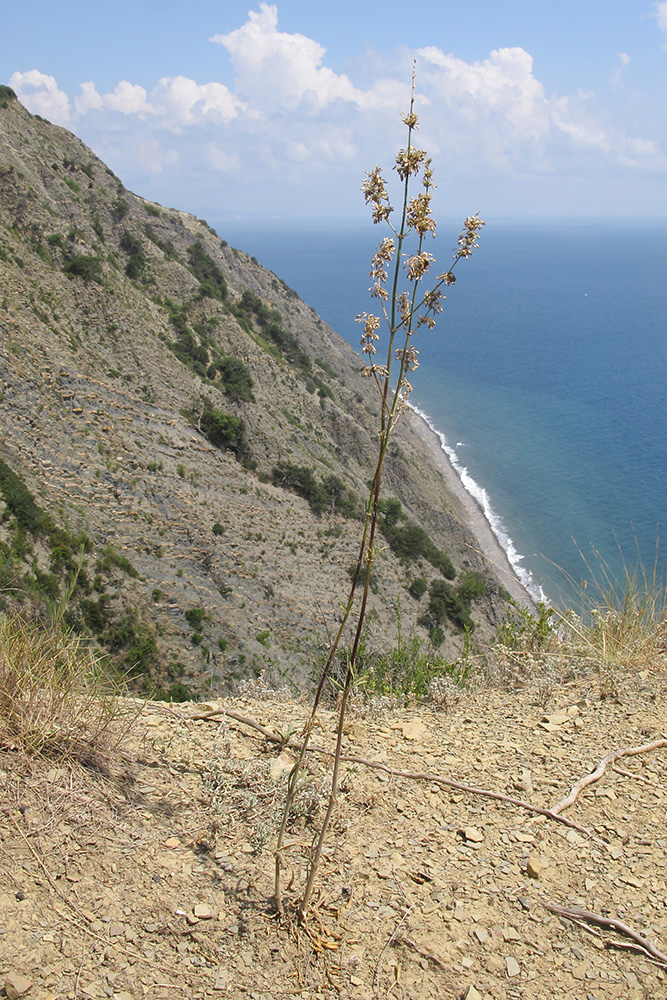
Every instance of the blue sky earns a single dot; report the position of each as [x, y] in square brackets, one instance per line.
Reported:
[233, 109]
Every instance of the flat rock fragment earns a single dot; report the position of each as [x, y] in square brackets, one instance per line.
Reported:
[512, 967]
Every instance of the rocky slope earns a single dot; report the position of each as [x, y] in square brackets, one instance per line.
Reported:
[153, 380]
[158, 883]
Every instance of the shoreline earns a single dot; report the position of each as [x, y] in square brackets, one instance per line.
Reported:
[475, 518]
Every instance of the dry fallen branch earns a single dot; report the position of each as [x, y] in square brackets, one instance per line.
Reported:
[595, 775]
[576, 914]
[398, 773]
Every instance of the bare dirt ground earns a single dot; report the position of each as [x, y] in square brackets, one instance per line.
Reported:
[156, 881]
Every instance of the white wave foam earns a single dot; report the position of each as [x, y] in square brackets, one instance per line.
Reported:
[481, 498]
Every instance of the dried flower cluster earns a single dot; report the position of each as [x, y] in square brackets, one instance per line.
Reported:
[406, 311]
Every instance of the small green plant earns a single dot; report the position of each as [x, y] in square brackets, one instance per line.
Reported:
[405, 311]
[110, 559]
[218, 529]
[195, 616]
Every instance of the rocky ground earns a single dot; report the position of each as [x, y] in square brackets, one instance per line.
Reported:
[155, 880]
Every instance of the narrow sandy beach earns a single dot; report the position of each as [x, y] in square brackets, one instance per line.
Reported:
[472, 514]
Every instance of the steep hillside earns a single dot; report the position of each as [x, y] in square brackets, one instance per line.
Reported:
[185, 444]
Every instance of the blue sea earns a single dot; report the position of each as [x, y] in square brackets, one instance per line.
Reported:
[546, 376]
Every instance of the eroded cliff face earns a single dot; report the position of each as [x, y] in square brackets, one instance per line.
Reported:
[153, 379]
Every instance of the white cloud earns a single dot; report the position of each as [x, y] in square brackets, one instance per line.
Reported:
[660, 14]
[185, 102]
[222, 159]
[278, 70]
[496, 111]
[643, 155]
[41, 95]
[129, 99]
[88, 99]
[617, 75]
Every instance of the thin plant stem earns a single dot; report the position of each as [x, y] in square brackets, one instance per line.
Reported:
[406, 313]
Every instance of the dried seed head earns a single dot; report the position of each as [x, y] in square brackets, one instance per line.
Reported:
[375, 193]
[408, 162]
[419, 215]
[468, 238]
[417, 266]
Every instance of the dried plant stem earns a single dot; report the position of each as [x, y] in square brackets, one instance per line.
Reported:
[404, 313]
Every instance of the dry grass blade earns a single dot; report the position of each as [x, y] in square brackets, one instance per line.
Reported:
[56, 698]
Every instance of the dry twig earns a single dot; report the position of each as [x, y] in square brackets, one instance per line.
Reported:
[576, 914]
[595, 775]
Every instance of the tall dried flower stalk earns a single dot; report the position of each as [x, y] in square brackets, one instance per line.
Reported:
[403, 311]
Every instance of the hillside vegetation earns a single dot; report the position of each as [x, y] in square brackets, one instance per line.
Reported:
[185, 443]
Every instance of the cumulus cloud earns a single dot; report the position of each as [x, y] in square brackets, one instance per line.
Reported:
[88, 99]
[496, 110]
[185, 102]
[129, 99]
[41, 95]
[275, 69]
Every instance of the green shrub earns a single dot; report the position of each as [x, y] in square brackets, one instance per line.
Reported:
[110, 559]
[195, 616]
[119, 209]
[21, 502]
[471, 585]
[269, 322]
[409, 541]
[137, 258]
[218, 529]
[6, 94]
[330, 494]
[405, 672]
[211, 280]
[136, 641]
[84, 266]
[418, 587]
[446, 602]
[224, 430]
[234, 379]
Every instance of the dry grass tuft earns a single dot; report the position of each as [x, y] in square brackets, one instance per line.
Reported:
[619, 628]
[56, 698]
